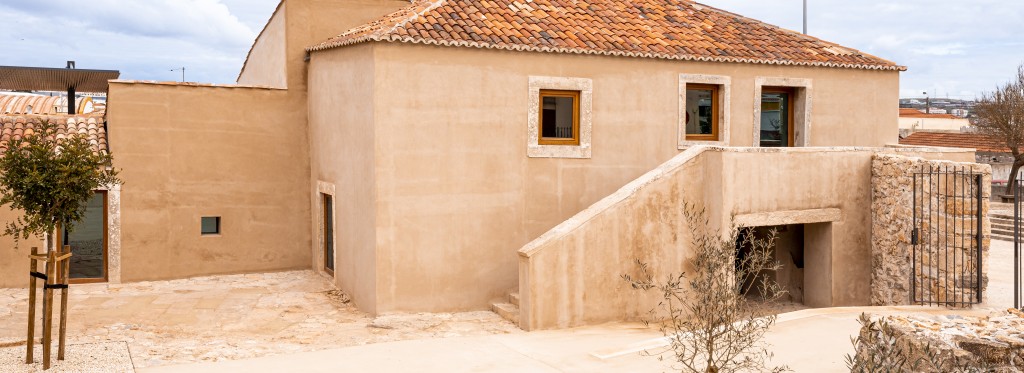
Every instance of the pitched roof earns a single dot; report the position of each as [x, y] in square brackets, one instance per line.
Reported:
[914, 113]
[666, 29]
[90, 126]
[956, 140]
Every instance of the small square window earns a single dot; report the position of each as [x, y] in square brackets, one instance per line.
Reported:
[210, 225]
[701, 112]
[559, 118]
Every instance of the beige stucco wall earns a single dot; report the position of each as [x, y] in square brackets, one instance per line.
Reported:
[456, 194]
[265, 64]
[189, 151]
[341, 118]
[14, 260]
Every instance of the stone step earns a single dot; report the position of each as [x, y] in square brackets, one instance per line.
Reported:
[1004, 232]
[513, 298]
[507, 311]
[1003, 227]
[1000, 217]
[999, 237]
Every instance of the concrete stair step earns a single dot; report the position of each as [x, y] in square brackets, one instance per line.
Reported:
[513, 298]
[507, 311]
[1002, 238]
[1004, 232]
[1003, 227]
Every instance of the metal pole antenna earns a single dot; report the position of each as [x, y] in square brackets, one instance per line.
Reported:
[805, 17]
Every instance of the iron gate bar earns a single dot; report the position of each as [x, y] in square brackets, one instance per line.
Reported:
[955, 194]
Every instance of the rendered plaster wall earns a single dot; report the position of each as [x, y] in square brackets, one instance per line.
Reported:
[570, 275]
[951, 221]
[265, 64]
[14, 258]
[311, 22]
[188, 151]
[458, 195]
[341, 127]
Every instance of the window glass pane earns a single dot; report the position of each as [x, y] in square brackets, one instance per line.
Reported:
[211, 225]
[86, 241]
[774, 119]
[557, 117]
[699, 105]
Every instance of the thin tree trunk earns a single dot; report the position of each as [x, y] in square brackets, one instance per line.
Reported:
[1012, 179]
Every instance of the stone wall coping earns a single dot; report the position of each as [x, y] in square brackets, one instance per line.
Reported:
[193, 84]
[763, 219]
[666, 169]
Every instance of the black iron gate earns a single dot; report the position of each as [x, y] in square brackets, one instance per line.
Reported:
[1018, 199]
[947, 236]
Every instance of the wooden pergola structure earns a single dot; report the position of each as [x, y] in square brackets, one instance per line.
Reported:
[69, 79]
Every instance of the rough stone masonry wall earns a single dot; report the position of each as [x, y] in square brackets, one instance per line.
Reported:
[942, 270]
[951, 343]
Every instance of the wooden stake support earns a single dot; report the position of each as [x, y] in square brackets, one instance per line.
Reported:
[57, 270]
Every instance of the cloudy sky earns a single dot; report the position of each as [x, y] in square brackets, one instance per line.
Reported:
[953, 48]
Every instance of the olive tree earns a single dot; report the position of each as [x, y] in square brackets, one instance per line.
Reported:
[49, 179]
[715, 317]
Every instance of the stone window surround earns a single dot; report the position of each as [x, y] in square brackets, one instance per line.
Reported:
[803, 104]
[322, 188]
[113, 233]
[724, 92]
[586, 89]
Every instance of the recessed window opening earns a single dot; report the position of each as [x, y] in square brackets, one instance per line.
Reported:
[210, 225]
[328, 232]
[777, 117]
[702, 112]
[559, 117]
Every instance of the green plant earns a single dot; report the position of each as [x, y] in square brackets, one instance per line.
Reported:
[50, 180]
[714, 318]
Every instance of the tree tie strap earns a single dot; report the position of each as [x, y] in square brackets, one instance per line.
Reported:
[55, 286]
[38, 275]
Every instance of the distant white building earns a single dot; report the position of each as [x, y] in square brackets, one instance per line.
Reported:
[916, 120]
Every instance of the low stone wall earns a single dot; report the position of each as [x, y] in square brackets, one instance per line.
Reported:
[947, 343]
[948, 230]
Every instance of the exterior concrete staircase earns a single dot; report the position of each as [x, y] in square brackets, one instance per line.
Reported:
[1002, 226]
[508, 307]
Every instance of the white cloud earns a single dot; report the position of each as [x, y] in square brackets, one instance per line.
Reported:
[940, 50]
[143, 39]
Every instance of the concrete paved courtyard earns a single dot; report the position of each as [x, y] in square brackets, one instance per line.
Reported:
[281, 321]
[234, 317]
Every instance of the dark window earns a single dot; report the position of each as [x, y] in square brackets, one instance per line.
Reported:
[776, 117]
[328, 239]
[559, 118]
[701, 112]
[210, 225]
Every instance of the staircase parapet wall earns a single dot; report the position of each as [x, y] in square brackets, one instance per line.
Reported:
[570, 275]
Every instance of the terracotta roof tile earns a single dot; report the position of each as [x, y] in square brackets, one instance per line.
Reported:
[90, 126]
[914, 113]
[956, 140]
[667, 29]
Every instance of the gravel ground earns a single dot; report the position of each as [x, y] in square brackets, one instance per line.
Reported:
[89, 357]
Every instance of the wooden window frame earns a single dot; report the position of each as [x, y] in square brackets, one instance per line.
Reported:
[791, 102]
[715, 105]
[328, 230]
[106, 248]
[575, 140]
